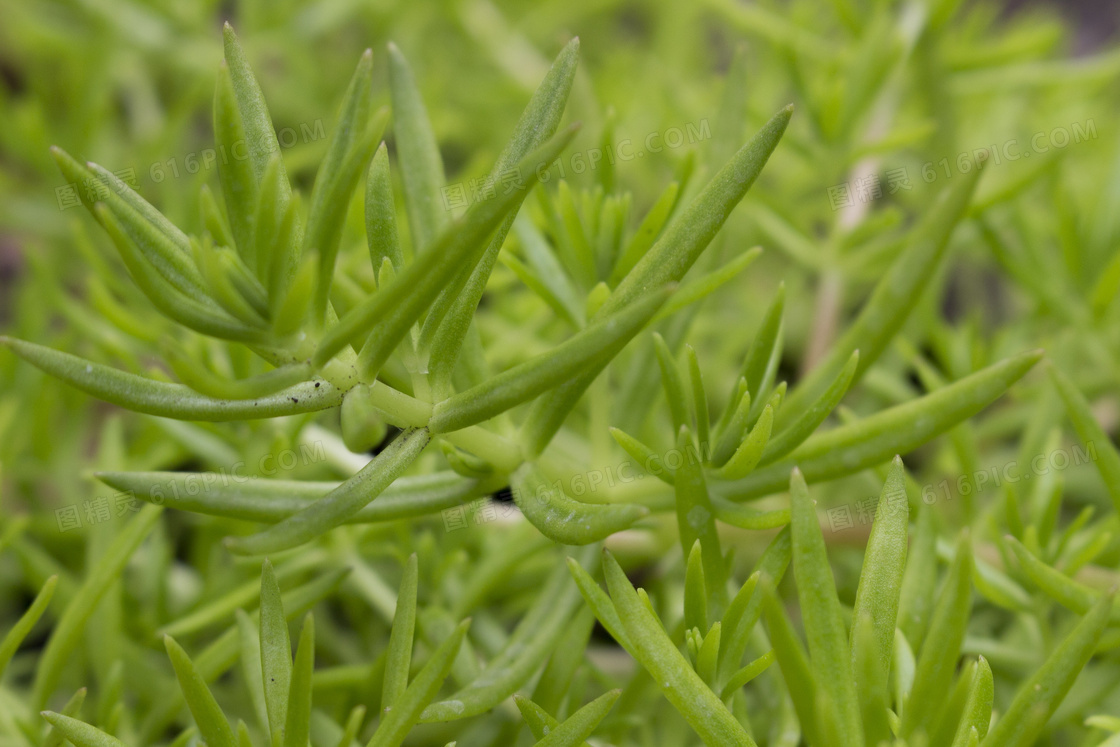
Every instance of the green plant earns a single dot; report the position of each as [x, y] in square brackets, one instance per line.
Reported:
[518, 336]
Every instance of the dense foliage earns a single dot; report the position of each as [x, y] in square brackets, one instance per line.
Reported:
[686, 415]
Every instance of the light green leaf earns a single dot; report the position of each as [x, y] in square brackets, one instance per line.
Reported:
[79, 732]
[666, 262]
[171, 400]
[527, 380]
[271, 501]
[747, 673]
[747, 456]
[396, 724]
[694, 700]
[399, 656]
[1067, 592]
[647, 232]
[672, 382]
[880, 581]
[212, 723]
[695, 591]
[792, 436]
[581, 724]
[342, 503]
[381, 214]
[937, 661]
[978, 708]
[1041, 694]
[563, 519]
[418, 154]
[897, 430]
[348, 156]
[297, 724]
[1090, 432]
[446, 329]
[526, 649]
[14, 637]
[793, 661]
[394, 308]
[276, 653]
[67, 633]
[821, 616]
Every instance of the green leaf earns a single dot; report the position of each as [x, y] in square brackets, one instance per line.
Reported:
[342, 503]
[666, 262]
[212, 723]
[1061, 588]
[14, 637]
[694, 700]
[1090, 432]
[897, 430]
[600, 604]
[699, 400]
[396, 724]
[203, 316]
[695, 290]
[79, 732]
[236, 174]
[537, 375]
[761, 363]
[260, 137]
[647, 232]
[276, 653]
[820, 608]
[645, 457]
[978, 708]
[399, 656]
[1040, 695]
[937, 661]
[381, 214]
[68, 630]
[446, 328]
[747, 673]
[250, 656]
[270, 501]
[793, 661]
[732, 426]
[563, 519]
[695, 591]
[896, 294]
[171, 400]
[581, 724]
[526, 649]
[72, 708]
[393, 309]
[672, 381]
[884, 562]
[696, 519]
[789, 438]
[418, 154]
[158, 245]
[272, 230]
[348, 155]
[870, 674]
[747, 456]
[297, 725]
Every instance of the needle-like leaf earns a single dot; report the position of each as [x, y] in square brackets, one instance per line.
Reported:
[342, 502]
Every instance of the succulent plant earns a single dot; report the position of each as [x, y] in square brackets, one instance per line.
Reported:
[330, 386]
